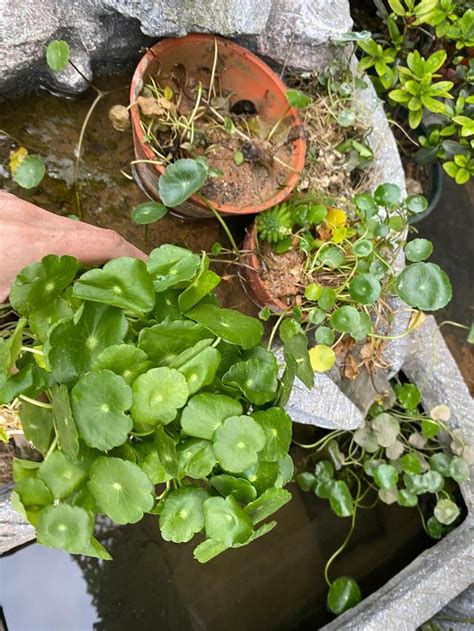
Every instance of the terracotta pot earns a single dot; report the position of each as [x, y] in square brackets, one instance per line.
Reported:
[246, 77]
[251, 278]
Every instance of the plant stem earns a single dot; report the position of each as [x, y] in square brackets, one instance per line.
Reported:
[274, 330]
[52, 447]
[225, 227]
[100, 94]
[40, 404]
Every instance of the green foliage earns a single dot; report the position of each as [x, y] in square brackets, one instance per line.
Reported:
[57, 54]
[148, 212]
[380, 462]
[29, 172]
[408, 62]
[143, 380]
[348, 272]
[180, 180]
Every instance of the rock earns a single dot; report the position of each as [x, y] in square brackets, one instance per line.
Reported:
[108, 34]
[14, 530]
[299, 32]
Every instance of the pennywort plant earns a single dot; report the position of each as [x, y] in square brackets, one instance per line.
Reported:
[400, 456]
[347, 266]
[143, 396]
[421, 63]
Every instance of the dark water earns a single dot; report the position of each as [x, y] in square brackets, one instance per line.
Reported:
[276, 584]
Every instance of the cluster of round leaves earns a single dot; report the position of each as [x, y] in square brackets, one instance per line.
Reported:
[400, 456]
[354, 250]
[137, 378]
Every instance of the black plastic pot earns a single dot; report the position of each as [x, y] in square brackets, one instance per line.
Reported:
[433, 194]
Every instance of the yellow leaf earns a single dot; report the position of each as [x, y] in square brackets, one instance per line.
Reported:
[338, 235]
[16, 158]
[336, 218]
[168, 93]
[322, 358]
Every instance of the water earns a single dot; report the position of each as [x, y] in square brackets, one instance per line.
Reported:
[276, 584]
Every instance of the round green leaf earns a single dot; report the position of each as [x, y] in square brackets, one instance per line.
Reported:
[324, 335]
[446, 512]
[434, 528]
[407, 499]
[411, 464]
[60, 475]
[166, 449]
[362, 330]
[200, 370]
[416, 204]
[29, 172]
[344, 593]
[57, 54]
[327, 299]
[386, 428]
[148, 212]
[72, 346]
[365, 289]
[345, 319]
[170, 265]
[99, 401]
[33, 492]
[367, 439]
[267, 504]
[173, 342]
[277, 426]
[263, 475]
[205, 412]
[366, 204]
[297, 98]
[385, 476]
[158, 395]
[409, 396]
[237, 443]
[122, 490]
[258, 380]
[180, 180]
[225, 521]
[418, 250]
[346, 118]
[66, 431]
[124, 360]
[39, 284]
[123, 283]
[305, 480]
[324, 470]
[37, 424]
[424, 286]
[331, 256]
[340, 499]
[63, 526]
[363, 248]
[459, 470]
[182, 515]
[233, 327]
[240, 488]
[196, 458]
[387, 195]
[441, 462]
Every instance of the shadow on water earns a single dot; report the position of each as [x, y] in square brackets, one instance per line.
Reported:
[276, 584]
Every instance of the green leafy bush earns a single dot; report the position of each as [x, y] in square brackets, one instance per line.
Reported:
[420, 61]
[349, 252]
[144, 396]
[400, 456]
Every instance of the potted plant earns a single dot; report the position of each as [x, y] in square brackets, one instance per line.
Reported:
[143, 396]
[330, 267]
[205, 99]
[420, 61]
[402, 455]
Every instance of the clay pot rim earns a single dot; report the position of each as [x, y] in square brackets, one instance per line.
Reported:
[299, 143]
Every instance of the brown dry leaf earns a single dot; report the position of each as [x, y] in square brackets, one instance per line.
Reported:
[151, 106]
[324, 232]
[119, 117]
[417, 319]
[351, 369]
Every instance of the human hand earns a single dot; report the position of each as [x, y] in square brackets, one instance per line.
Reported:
[27, 233]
